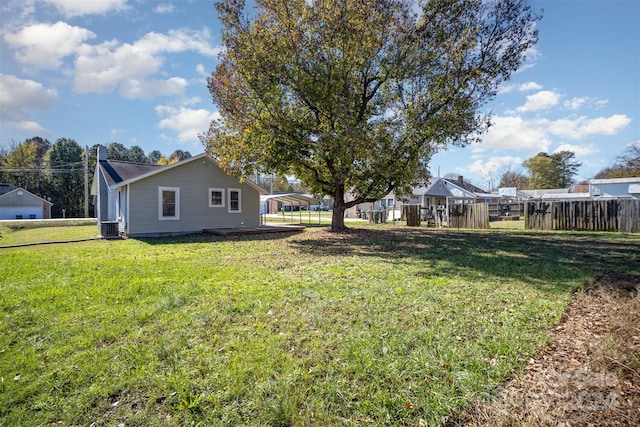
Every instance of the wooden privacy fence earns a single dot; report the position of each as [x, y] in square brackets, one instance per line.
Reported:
[469, 215]
[587, 215]
[459, 216]
[412, 215]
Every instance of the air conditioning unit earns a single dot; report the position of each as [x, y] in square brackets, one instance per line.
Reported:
[109, 229]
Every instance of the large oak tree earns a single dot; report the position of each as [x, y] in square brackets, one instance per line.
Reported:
[354, 96]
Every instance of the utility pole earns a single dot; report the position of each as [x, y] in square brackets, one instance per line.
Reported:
[86, 181]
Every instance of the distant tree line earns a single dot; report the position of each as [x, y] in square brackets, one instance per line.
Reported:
[55, 171]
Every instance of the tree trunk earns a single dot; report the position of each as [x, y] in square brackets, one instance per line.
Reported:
[337, 219]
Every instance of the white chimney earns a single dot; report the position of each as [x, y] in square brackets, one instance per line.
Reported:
[102, 153]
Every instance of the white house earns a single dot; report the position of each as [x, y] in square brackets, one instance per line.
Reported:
[18, 203]
[615, 188]
[187, 197]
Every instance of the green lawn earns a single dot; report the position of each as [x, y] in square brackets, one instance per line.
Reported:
[386, 326]
[26, 232]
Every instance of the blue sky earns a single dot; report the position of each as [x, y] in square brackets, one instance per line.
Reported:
[134, 72]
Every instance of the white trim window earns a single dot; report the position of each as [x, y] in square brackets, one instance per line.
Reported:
[168, 203]
[216, 197]
[235, 200]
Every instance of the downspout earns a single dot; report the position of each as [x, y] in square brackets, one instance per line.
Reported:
[126, 220]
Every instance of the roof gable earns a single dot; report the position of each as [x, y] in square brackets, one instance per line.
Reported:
[116, 171]
[124, 173]
[20, 192]
[441, 187]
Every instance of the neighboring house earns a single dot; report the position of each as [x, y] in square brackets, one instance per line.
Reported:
[144, 200]
[17, 203]
[460, 182]
[442, 192]
[439, 192]
[615, 188]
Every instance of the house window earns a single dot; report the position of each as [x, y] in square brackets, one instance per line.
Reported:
[168, 203]
[216, 197]
[235, 204]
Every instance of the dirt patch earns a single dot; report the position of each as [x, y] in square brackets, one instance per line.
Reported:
[589, 374]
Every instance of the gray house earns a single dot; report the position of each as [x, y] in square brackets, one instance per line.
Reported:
[144, 200]
[18, 203]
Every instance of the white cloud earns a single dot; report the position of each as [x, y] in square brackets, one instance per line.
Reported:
[104, 67]
[529, 86]
[43, 46]
[633, 144]
[27, 126]
[178, 41]
[187, 122]
[71, 8]
[582, 127]
[514, 132]
[579, 150]
[536, 135]
[19, 97]
[577, 103]
[151, 88]
[524, 87]
[201, 70]
[493, 165]
[16, 12]
[540, 101]
[574, 103]
[110, 65]
[531, 55]
[165, 8]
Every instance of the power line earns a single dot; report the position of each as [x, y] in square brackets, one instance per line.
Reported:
[41, 170]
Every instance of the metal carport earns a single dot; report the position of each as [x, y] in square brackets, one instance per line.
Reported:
[292, 199]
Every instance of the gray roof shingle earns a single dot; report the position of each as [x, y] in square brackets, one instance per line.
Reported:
[116, 171]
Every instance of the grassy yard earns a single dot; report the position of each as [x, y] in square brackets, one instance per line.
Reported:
[25, 232]
[384, 326]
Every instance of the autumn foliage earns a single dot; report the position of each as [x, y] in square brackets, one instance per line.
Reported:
[353, 97]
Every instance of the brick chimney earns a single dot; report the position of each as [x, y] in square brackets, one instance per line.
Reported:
[460, 180]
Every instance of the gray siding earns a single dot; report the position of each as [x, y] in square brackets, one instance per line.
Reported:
[21, 202]
[194, 180]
